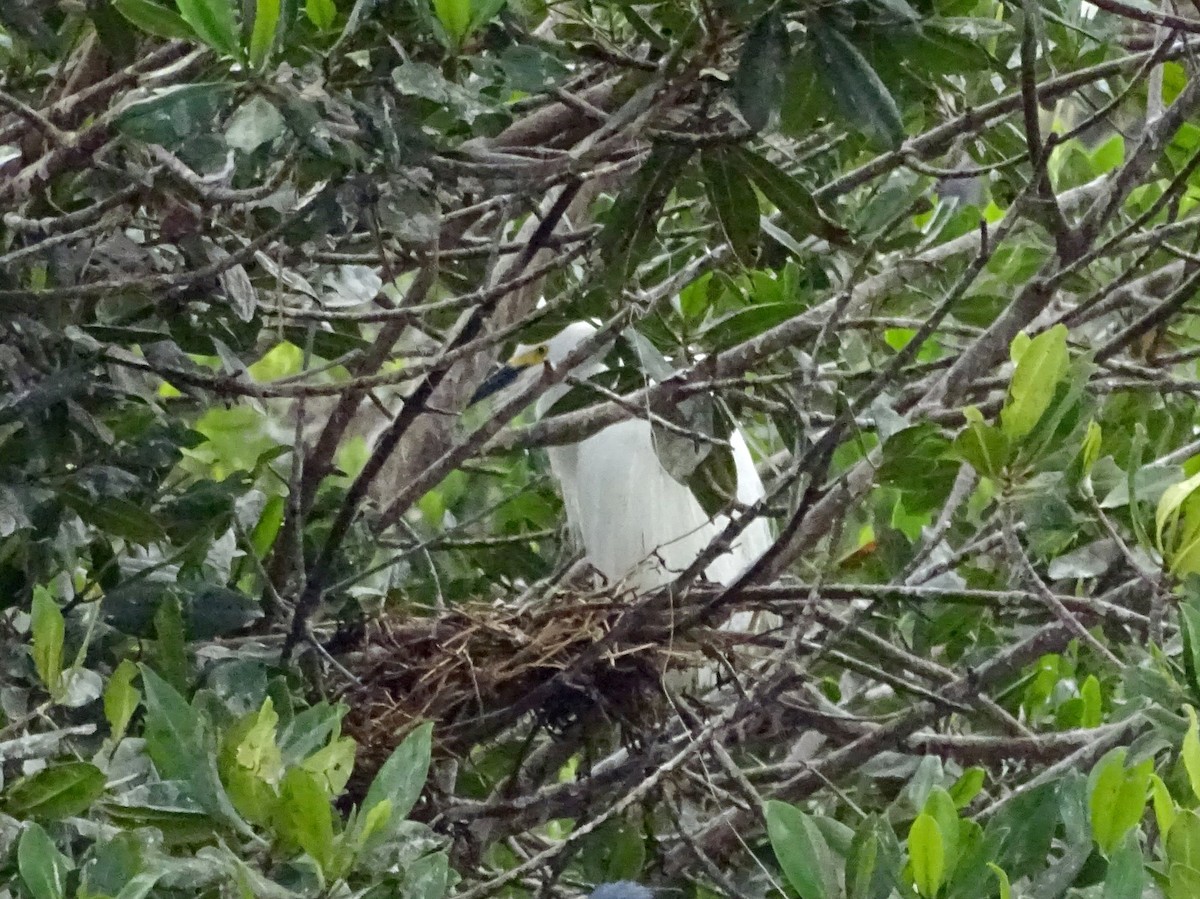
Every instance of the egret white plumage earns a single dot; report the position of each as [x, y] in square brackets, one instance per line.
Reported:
[638, 525]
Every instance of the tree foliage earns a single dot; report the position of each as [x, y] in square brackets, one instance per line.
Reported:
[284, 613]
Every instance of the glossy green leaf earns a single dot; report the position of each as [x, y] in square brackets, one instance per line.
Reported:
[116, 516]
[402, 777]
[49, 631]
[801, 851]
[1165, 809]
[58, 791]
[1093, 712]
[1040, 367]
[734, 201]
[967, 787]
[1117, 798]
[455, 18]
[170, 654]
[1005, 886]
[1183, 883]
[427, 878]
[861, 94]
[266, 24]
[758, 83]
[1190, 751]
[156, 19]
[927, 854]
[121, 698]
[1126, 875]
[42, 867]
[214, 21]
[1183, 840]
[983, 446]
[304, 816]
[174, 733]
[794, 202]
[873, 863]
[941, 807]
[632, 221]
[321, 13]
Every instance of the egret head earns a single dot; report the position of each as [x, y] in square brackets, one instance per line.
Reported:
[622, 889]
[528, 358]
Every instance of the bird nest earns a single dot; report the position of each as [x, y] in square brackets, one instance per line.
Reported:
[479, 670]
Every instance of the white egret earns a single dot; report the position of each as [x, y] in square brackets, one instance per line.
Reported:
[638, 526]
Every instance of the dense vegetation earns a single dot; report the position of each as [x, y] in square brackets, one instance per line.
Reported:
[283, 614]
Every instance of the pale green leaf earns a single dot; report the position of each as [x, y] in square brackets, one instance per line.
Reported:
[927, 853]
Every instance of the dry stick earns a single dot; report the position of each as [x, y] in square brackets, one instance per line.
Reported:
[1150, 16]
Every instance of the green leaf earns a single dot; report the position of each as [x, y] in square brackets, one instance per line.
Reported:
[483, 11]
[267, 529]
[1183, 840]
[858, 89]
[1090, 450]
[427, 878]
[1117, 798]
[374, 820]
[758, 83]
[58, 791]
[179, 742]
[266, 24]
[967, 787]
[455, 16]
[1005, 886]
[49, 631]
[1165, 809]
[333, 764]
[632, 223]
[801, 851]
[873, 862]
[1040, 367]
[940, 806]
[794, 201]
[121, 698]
[1093, 712]
[214, 22]
[927, 853]
[304, 816]
[155, 19]
[984, 447]
[402, 777]
[1126, 872]
[171, 648]
[1190, 751]
[321, 13]
[42, 867]
[733, 199]
[174, 733]
[115, 515]
[1184, 882]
